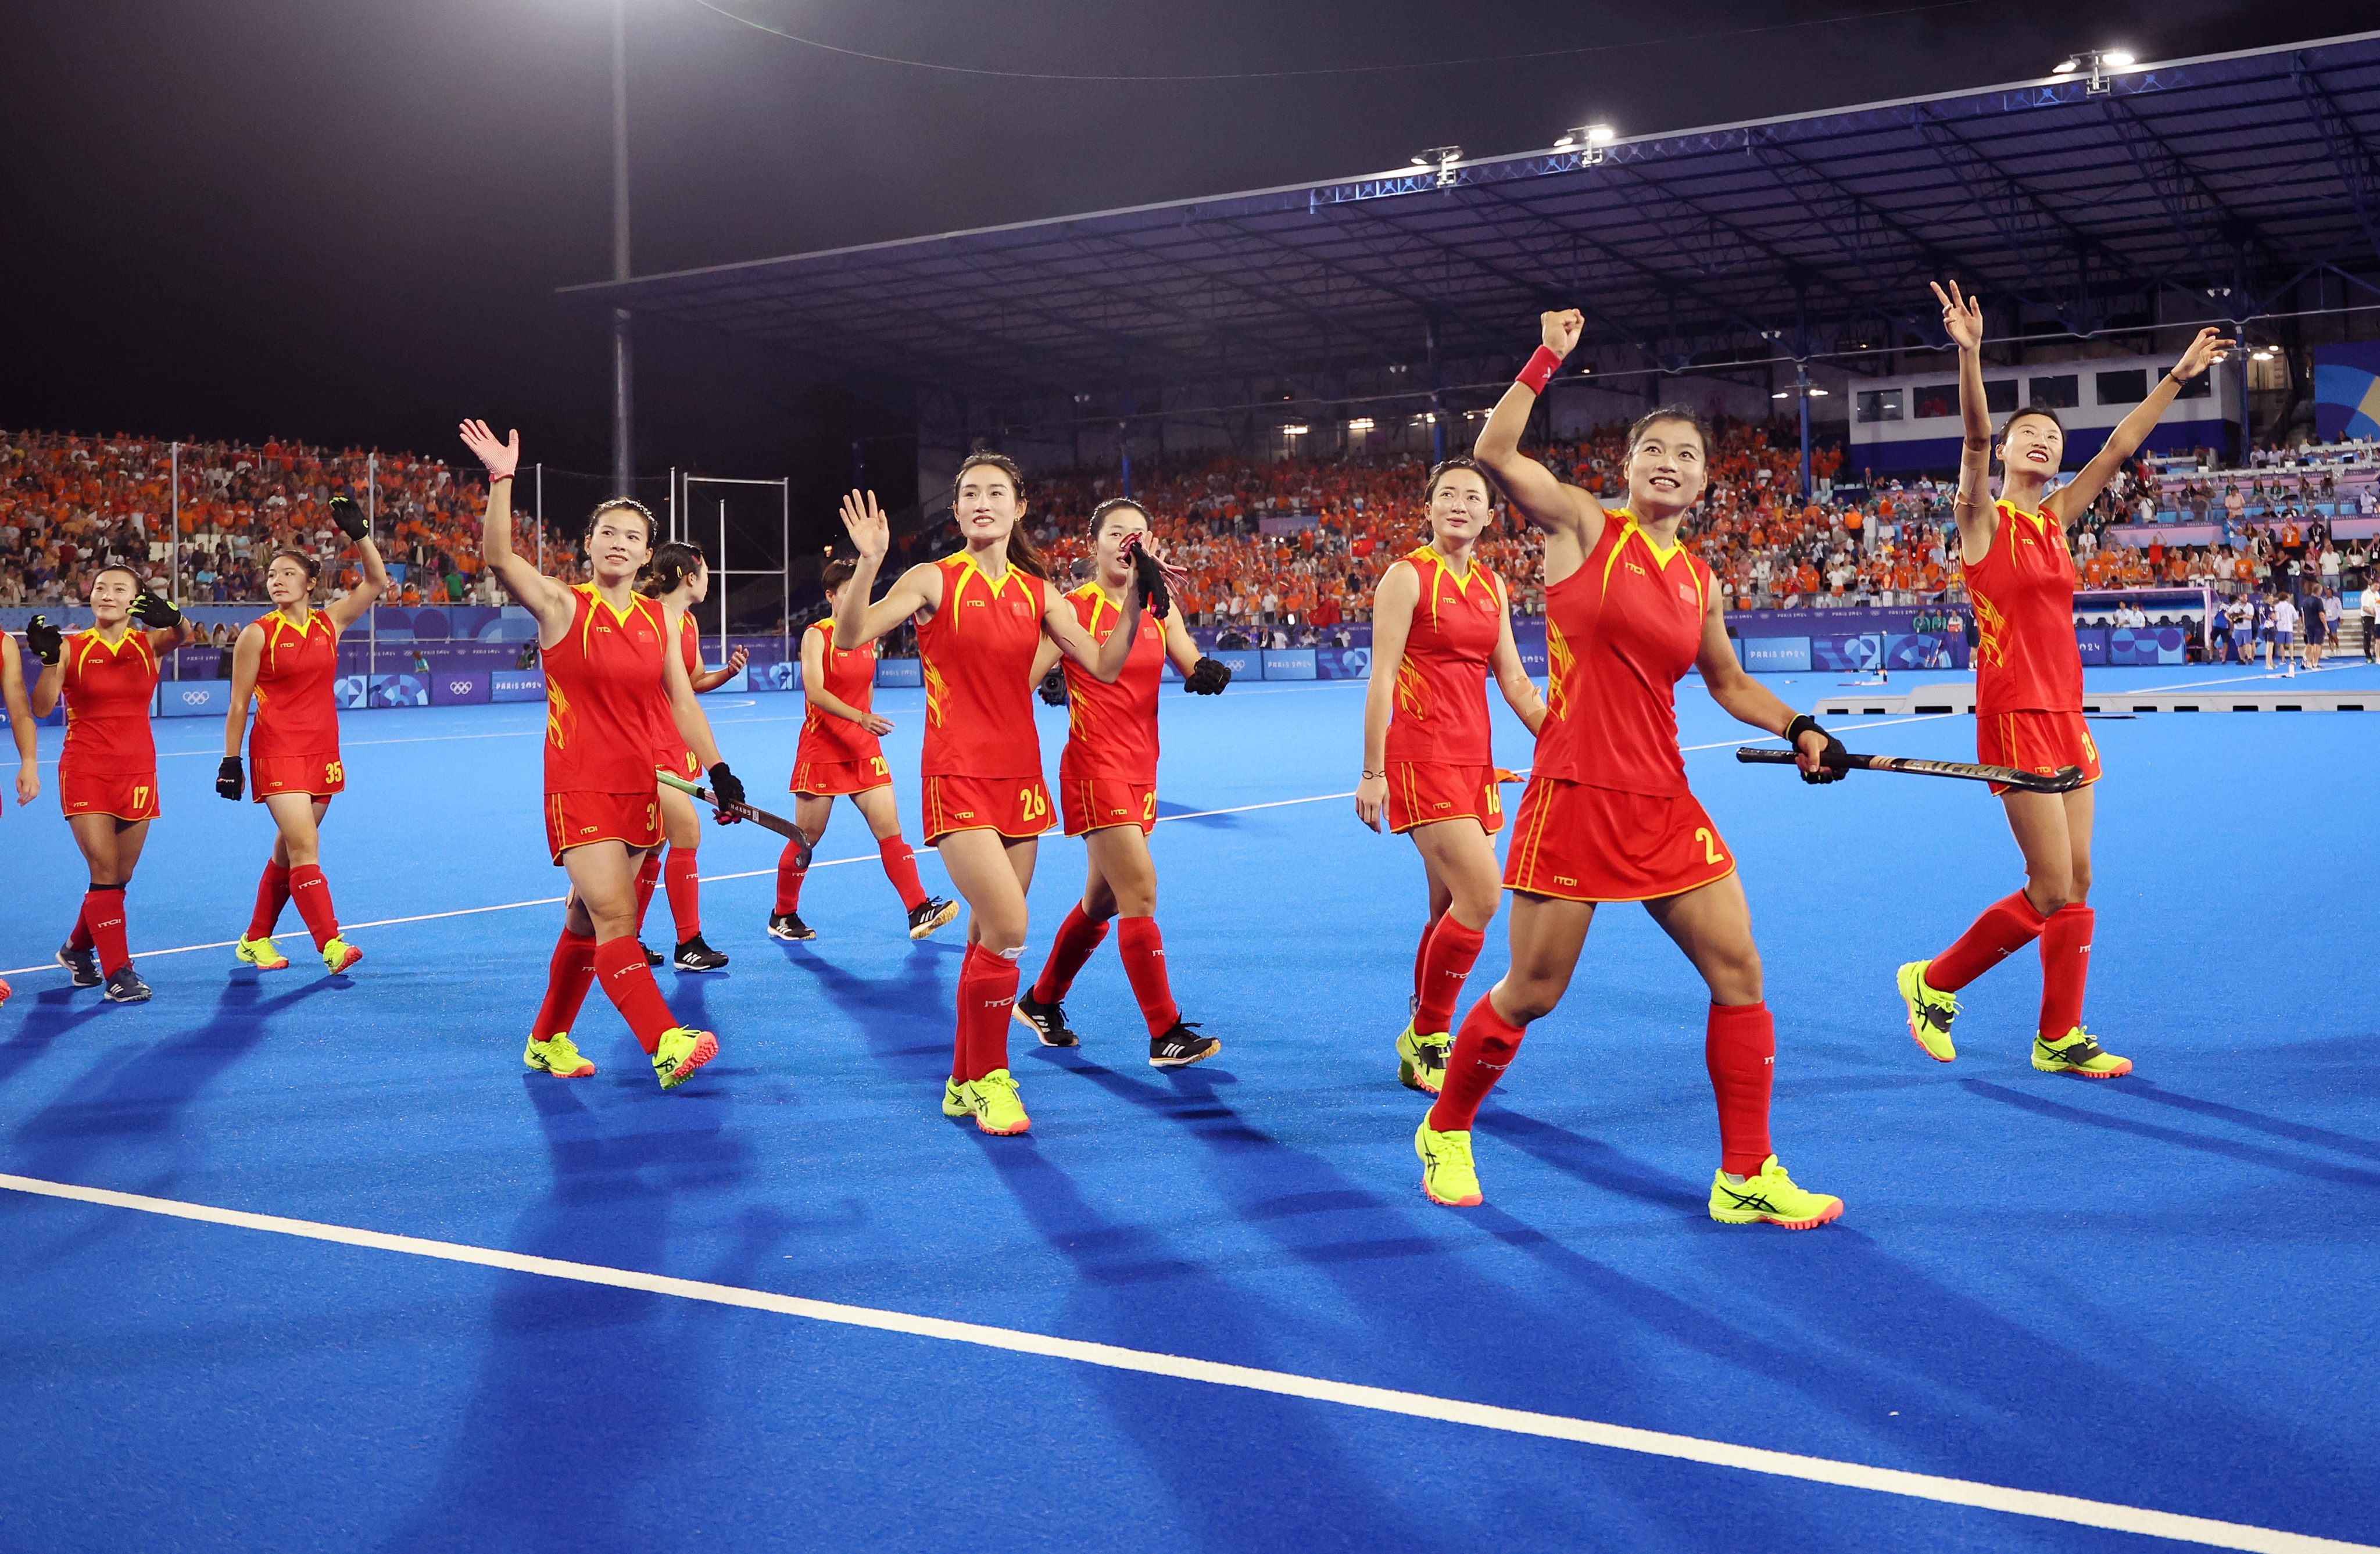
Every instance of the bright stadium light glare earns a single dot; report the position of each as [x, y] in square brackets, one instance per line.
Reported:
[1817, 392]
[2098, 62]
[1361, 424]
[2121, 58]
[2066, 67]
[1589, 140]
[1294, 429]
[1443, 158]
[1781, 393]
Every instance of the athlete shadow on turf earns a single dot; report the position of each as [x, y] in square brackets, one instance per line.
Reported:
[588, 1400]
[1220, 1476]
[918, 994]
[2279, 1128]
[136, 1095]
[2253, 1154]
[49, 1015]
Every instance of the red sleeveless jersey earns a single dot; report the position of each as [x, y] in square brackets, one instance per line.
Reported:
[2027, 657]
[107, 693]
[978, 651]
[1621, 632]
[296, 714]
[850, 678]
[1111, 730]
[598, 697]
[1441, 705]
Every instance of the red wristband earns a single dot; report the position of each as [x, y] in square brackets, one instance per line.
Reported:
[1540, 370]
[494, 478]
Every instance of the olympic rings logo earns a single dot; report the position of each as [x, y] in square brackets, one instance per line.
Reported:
[458, 688]
[196, 698]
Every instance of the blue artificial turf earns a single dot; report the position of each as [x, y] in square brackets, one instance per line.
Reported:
[2150, 1291]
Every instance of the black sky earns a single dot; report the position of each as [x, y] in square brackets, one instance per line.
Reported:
[344, 221]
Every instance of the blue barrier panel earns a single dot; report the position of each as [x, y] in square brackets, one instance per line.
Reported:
[1287, 664]
[1773, 655]
[786, 676]
[2155, 645]
[900, 672]
[381, 690]
[1343, 664]
[1244, 662]
[739, 681]
[1924, 650]
[193, 699]
[516, 685]
[1850, 651]
[2093, 641]
[459, 688]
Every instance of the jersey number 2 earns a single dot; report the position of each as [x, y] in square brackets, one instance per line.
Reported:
[1710, 845]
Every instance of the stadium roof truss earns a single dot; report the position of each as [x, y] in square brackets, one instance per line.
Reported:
[2199, 188]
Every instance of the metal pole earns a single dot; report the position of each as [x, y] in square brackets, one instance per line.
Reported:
[2247, 415]
[785, 557]
[538, 511]
[174, 545]
[371, 511]
[624, 458]
[1124, 452]
[1802, 393]
[723, 577]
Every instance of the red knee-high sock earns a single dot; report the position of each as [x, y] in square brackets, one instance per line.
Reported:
[1142, 949]
[987, 996]
[1740, 1049]
[649, 874]
[311, 894]
[683, 879]
[628, 983]
[1446, 958]
[1483, 1051]
[80, 938]
[567, 975]
[1077, 937]
[901, 868]
[2007, 925]
[790, 874]
[2065, 968]
[271, 895]
[103, 917]
[1421, 958]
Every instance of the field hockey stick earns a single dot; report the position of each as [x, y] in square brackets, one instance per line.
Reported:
[2066, 778]
[760, 818]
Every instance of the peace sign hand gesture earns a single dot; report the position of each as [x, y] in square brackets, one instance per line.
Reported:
[865, 522]
[1962, 316]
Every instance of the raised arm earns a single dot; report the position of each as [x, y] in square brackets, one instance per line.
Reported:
[353, 605]
[2073, 499]
[1566, 514]
[856, 620]
[1747, 700]
[1103, 661]
[543, 598]
[814, 688]
[1962, 321]
[1392, 606]
[20, 719]
[1520, 692]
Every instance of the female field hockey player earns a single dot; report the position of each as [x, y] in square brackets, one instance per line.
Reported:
[107, 772]
[604, 648]
[984, 614]
[679, 578]
[1107, 794]
[838, 757]
[1441, 625]
[2029, 696]
[1607, 816]
[20, 729]
[286, 663]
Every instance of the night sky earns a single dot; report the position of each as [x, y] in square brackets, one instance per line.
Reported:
[345, 221]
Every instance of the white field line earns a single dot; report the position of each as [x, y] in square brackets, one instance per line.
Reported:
[2069, 1508]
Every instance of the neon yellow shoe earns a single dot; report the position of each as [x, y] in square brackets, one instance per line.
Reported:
[556, 1056]
[2078, 1055]
[1421, 1059]
[1447, 1174]
[338, 955]
[259, 953]
[1771, 1195]
[1930, 1013]
[997, 1108]
[956, 1099]
[681, 1052]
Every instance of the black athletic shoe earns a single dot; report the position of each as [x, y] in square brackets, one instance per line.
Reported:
[1048, 1020]
[83, 965]
[929, 914]
[124, 986]
[1182, 1046]
[789, 925]
[694, 955]
[653, 956]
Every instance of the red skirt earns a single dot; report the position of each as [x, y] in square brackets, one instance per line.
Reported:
[1577, 843]
[319, 775]
[2036, 742]
[821, 779]
[1423, 793]
[1015, 807]
[576, 820]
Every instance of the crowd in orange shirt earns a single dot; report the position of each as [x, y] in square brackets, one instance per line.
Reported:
[70, 504]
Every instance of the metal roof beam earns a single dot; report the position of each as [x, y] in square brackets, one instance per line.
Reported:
[2348, 155]
[1327, 324]
[2016, 210]
[1848, 235]
[1425, 305]
[2189, 205]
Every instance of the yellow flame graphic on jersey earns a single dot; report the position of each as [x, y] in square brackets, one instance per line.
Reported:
[1990, 629]
[935, 692]
[1558, 659]
[1412, 691]
[561, 719]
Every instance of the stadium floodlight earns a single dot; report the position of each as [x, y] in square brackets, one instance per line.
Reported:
[2098, 62]
[1589, 140]
[1361, 424]
[1294, 429]
[1443, 158]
